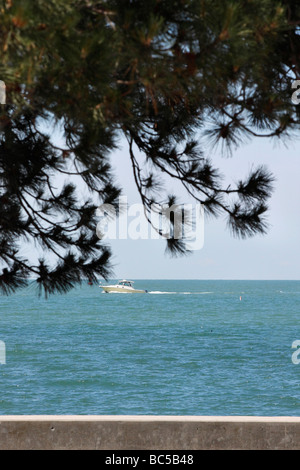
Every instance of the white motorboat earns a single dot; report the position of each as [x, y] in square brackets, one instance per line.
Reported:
[123, 287]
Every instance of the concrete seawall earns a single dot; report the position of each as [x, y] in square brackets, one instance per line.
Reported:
[149, 433]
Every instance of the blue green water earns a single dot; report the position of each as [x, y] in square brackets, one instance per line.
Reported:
[186, 348]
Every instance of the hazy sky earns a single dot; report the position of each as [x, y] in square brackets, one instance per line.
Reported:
[272, 256]
[275, 255]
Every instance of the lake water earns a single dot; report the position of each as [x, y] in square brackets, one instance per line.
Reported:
[185, 348]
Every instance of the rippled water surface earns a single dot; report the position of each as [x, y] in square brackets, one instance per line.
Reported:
[185, 348]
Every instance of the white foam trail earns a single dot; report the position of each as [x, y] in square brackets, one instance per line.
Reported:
[180, 293]
[160, 292]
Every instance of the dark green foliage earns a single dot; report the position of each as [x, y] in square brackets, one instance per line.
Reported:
[175, 78]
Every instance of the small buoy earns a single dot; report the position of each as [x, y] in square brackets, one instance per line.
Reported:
[240, 297]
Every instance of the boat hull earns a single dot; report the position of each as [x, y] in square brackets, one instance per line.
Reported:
[122, 290]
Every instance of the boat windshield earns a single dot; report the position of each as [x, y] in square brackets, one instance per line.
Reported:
[125, 283]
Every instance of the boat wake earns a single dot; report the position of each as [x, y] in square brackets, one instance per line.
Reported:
[160, 292]
[179, 293]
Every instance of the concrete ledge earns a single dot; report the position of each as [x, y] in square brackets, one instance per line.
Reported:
[149, 433]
